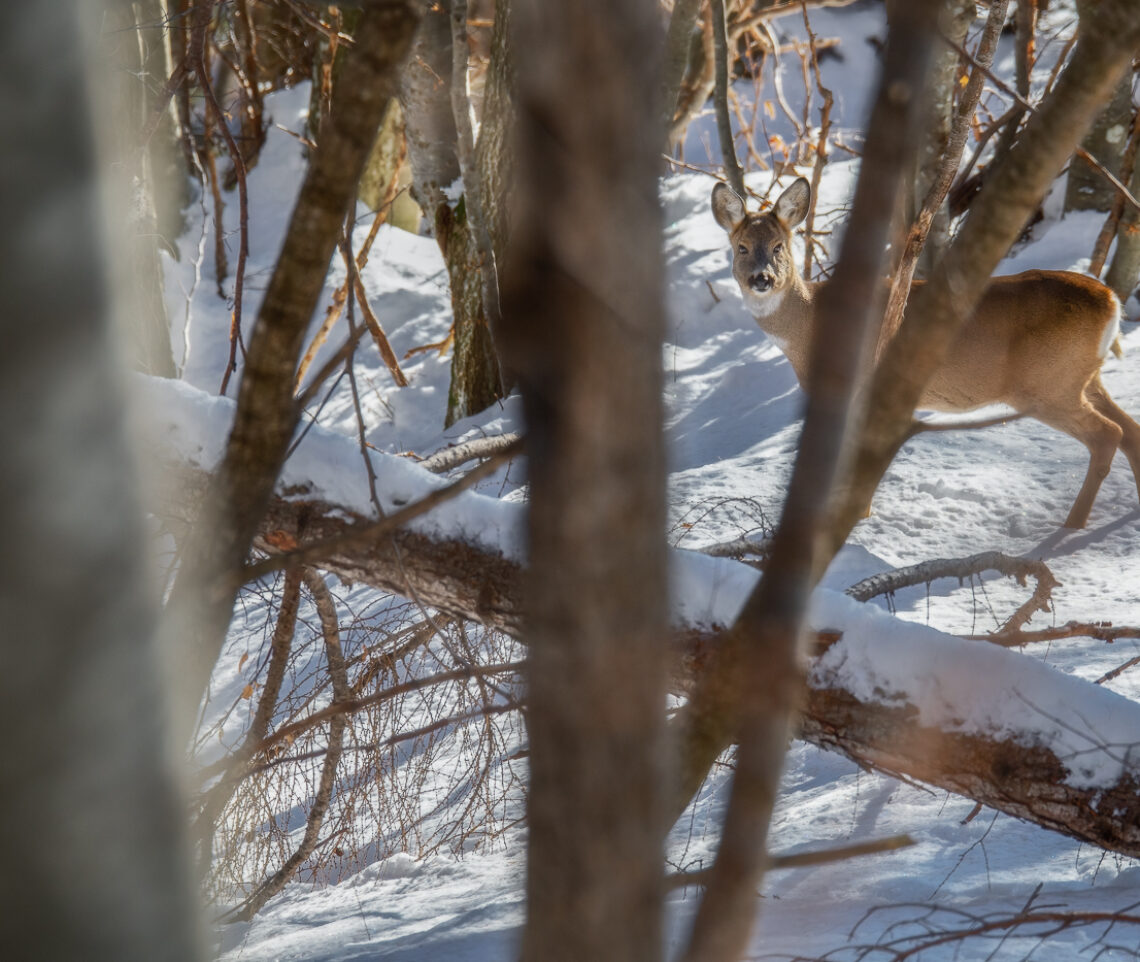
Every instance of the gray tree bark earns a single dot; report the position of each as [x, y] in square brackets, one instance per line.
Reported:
[1087, 188]
[493, 157]
[429, 123]
[678, 42]
[476, 382]
[433, 148]
[1124, 271]
[582, 329]
[954, 22]
[91, 820]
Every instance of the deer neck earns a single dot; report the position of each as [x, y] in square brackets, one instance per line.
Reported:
[788, 317]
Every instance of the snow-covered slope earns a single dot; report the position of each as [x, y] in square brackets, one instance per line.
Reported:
[732, 424]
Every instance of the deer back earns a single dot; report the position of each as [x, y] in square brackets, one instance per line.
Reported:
[1034, 337]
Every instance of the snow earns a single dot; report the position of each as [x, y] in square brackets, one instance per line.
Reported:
[979, 689]
[182, 423]
[733, 409]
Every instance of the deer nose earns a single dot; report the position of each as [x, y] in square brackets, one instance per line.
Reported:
[760, 282]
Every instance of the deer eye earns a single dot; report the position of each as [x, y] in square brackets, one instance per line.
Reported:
[741, 249]
[777, 250]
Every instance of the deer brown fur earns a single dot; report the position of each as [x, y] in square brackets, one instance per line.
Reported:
[1035, 342]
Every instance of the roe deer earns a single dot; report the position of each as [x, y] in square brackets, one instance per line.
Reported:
[1036, 341]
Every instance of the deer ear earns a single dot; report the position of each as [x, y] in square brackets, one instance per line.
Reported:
[728, 207]
[792, 207]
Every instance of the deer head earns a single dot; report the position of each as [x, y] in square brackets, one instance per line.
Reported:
[762, 260]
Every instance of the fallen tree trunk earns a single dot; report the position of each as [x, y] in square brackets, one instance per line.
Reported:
[454, 576]
[1010, 771]
[1028, 782]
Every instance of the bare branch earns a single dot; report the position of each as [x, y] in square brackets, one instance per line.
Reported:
[1102, 631]
[448, 458]
[820, 146]
[334, 658]
[824, 856]
[740, 548]
[370, 319]
[732, 169]
[333, 311]
[963, 568]
[1078, 151]
[350, 706]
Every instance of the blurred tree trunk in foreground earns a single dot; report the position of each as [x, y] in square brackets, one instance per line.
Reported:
[91, 825]
[582, 330]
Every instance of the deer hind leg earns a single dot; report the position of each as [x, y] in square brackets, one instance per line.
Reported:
[1130, 443]
[1097, 432]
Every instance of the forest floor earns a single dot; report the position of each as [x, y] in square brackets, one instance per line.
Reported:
[733, 420]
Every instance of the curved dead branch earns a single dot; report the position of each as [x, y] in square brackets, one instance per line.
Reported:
[962, 568]
[334, 657]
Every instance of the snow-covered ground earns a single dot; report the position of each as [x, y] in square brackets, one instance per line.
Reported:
[732, 425]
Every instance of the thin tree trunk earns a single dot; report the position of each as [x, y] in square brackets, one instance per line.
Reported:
[429, 121]
[583, 325]
[426, 95]
[678, 43]
[1124, 271]
[732, 171]
[475, 379]
[493, 158]
[132, 182]
[954, 22]
[753, 685]
[1024, 49]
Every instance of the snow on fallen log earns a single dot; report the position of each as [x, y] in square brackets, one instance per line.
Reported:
[972, 718]
[180, 424]
[979, 720]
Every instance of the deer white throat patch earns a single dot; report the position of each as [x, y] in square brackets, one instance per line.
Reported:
[764, 305]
